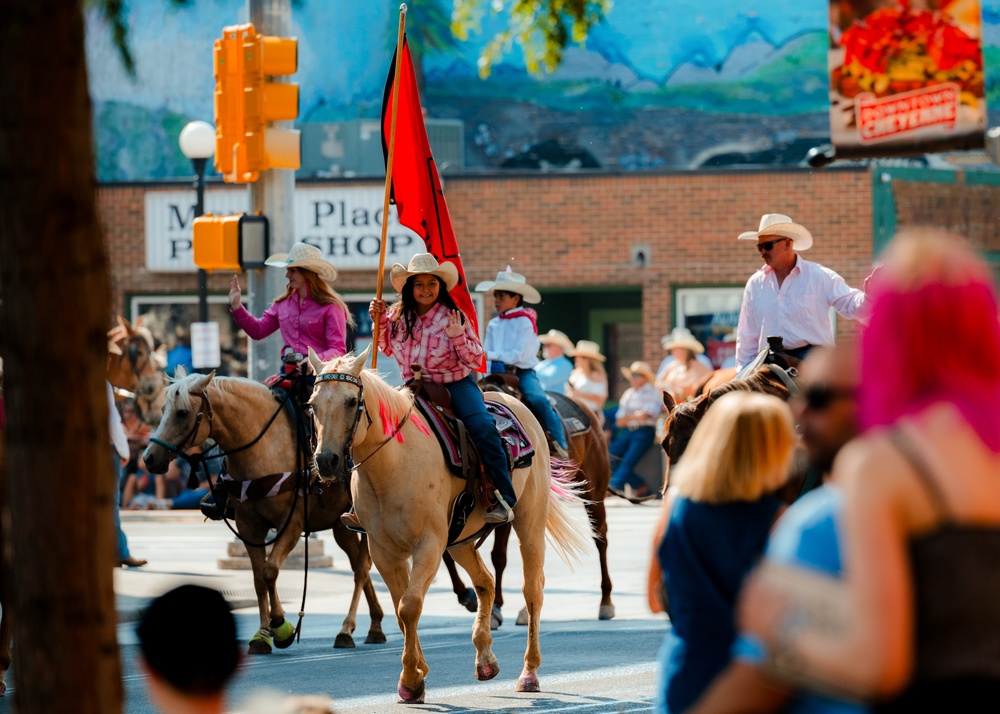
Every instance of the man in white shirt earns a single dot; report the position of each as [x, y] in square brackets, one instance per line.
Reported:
[789, 296]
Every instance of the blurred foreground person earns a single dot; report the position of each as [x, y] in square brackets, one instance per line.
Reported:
[921, 631]
[179, 684]
[806, 535]
[713, 528]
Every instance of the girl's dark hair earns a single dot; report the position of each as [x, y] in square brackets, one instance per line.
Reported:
[409, 303]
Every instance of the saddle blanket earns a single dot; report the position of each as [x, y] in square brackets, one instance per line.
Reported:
[263, 487]
[516, 442]
[573, 417]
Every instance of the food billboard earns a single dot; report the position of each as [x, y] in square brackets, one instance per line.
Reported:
[906, 77]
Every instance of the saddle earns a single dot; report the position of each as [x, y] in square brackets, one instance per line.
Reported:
[433, 402]
[574, 419]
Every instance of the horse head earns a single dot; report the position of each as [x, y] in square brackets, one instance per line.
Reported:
[137, 367]
[338, 403]
[186, 421]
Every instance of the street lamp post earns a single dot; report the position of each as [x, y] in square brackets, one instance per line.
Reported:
[197, 142]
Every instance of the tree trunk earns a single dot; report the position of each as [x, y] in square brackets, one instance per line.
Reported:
[55, 310]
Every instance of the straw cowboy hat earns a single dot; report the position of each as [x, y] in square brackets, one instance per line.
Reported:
[642, 368]
[775, 224]
[555, 337]
[586, 348]
[305, 256]
[682, 337]
[424, 264]
[511, 282]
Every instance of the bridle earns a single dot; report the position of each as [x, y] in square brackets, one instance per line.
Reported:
[349, 441]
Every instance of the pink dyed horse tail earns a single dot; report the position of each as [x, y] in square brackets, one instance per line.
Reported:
[568, 527]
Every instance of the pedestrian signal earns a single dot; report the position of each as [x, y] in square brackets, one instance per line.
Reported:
[236, 242]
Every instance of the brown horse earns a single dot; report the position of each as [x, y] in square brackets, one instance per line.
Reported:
[591, 468]
[403, 490]
[684, 417]
[136, 367]
[237, 412]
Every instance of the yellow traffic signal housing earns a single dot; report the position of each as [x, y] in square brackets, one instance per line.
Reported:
[245, 102]
[237, 242]
[217, 242]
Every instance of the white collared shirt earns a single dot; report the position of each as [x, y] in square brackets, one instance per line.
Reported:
[798, 310]
[512, 342]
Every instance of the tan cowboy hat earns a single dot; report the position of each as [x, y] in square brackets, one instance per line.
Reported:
[642, 368]
[424, 264]
[682, 337]
[586, 348]
[511, 282]
[775, 224]
[305, 256]
[555, 337]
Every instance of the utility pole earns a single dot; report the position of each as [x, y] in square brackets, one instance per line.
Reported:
[273, 195]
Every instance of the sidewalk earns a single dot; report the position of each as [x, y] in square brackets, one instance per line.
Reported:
[182, 547]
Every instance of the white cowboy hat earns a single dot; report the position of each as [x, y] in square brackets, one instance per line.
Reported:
[305, 256]
[424, 264]
[511, 282]
[586, 348]
[682, 337]
[775, 224]
[642, 368]
[555, 337]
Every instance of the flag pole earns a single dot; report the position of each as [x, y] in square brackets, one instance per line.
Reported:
[401, 33]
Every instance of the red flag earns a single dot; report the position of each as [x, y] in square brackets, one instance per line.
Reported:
[416, 187]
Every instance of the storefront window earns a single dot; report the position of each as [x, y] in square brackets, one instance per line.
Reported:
[712, 315]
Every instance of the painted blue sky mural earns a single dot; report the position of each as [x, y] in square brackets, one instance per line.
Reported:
[662, 84]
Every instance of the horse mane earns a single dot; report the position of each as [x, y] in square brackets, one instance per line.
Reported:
[179, 393]
[683, 419]
[397, 401]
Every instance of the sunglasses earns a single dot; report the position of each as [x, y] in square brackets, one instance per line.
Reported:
[768, 244]
[820, 396]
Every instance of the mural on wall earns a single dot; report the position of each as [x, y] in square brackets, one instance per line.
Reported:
[661, 84]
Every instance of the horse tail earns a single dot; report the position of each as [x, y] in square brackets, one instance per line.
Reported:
[567, 527]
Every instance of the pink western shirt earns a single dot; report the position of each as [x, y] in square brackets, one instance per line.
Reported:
[303, 324]
[798, 311]
[443, 359]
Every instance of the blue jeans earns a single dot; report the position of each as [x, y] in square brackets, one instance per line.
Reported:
[534, 395]
[189, 498]
[468, 405]
[119, 477]
[627, 448]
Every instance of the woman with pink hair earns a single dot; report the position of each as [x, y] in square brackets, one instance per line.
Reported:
[921, 518]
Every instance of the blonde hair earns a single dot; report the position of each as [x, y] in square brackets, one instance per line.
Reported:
[741, 450]
[321, 293]
[593, 368]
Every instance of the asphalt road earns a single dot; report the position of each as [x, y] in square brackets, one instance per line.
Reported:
[588, 665]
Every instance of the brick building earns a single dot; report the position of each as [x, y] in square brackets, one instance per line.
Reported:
[619, 258]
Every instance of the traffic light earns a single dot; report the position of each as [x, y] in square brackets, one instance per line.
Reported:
[245, 102]
[237, 242]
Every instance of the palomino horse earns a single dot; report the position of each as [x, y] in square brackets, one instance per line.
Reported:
[591, 468]
[136, 367]
[258, 436]
[403, 491]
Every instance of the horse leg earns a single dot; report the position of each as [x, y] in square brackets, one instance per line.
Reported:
[468, 557]
[501, 537]
[466, 596]
[599, 520]
[407, 600]
[361, 564]
[532, 539]
[281, 629]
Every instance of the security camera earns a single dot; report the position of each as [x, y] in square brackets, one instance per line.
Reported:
[820, 156]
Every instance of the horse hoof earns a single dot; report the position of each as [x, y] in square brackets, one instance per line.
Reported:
[487, 671]
[375, 638]
[522, 617]
[260, 643]
[528, 683]
[607, 612]
[284, 635]
[343, 642]
[469, 600]
[496, 618]
[410, 696]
